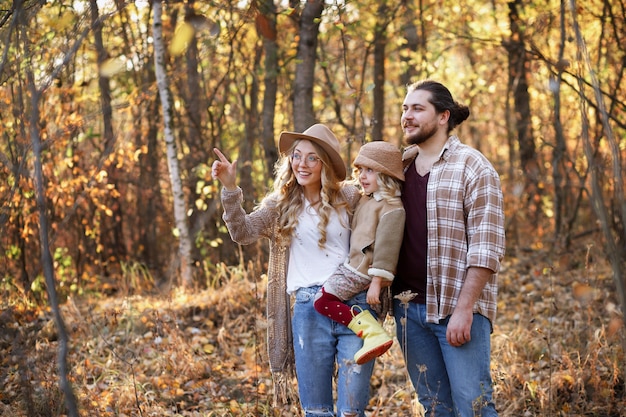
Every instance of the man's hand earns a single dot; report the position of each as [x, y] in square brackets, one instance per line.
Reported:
[460, 324]
[460, 327]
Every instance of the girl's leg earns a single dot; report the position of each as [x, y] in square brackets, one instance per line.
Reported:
[343, 285]
[333, 307]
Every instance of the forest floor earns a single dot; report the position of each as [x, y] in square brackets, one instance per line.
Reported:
[557, 348]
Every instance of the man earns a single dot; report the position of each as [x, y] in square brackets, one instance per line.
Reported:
[451, 252]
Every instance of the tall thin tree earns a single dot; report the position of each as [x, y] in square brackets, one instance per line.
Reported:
[266, 26]
[303, 114]
[180, 206]
[113, 244]
[40, 196]
[518, 85]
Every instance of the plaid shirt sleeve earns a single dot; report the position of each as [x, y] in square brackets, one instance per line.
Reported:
[465, 228]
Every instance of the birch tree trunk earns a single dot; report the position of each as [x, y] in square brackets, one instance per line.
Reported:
[180, 209]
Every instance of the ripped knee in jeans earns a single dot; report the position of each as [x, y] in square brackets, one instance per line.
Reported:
[318, 412]
[325, 412]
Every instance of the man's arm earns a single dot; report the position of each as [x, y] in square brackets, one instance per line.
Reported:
[460, 324]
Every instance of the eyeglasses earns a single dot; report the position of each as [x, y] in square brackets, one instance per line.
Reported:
[310, 161]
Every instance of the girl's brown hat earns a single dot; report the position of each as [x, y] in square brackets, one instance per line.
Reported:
[381, 157]
[323, 136]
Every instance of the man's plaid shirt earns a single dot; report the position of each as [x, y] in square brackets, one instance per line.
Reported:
[465, 213]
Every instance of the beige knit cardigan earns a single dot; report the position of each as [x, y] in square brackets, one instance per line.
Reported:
[247, 229]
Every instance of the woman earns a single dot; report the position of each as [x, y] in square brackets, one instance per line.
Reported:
[306, 218]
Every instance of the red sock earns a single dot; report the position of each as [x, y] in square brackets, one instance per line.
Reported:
[331, 306]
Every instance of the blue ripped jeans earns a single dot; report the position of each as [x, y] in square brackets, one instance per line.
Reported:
[319, 342]
[450, 381]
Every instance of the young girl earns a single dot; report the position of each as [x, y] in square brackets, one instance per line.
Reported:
[306, 219]
[377, 230]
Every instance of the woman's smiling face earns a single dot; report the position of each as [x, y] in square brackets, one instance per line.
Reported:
[306, 164]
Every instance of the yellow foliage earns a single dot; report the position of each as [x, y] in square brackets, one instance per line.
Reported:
[112, 66]
[182, 36]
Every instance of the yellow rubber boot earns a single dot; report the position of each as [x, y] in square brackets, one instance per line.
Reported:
[376, 341]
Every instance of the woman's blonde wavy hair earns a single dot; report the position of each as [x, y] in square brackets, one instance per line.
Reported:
[288, 198]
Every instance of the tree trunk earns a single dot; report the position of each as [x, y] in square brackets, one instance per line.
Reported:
[380, 43]
[559, 171]
[149, 198]
[47, 263]
[250, 94]
[178, 194]
[518, 84]
[303, 114]
[46, 256]
[112, 227]
[412, 45]
[267, 14]
[195, 138]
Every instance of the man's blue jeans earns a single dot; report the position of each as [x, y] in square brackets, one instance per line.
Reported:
[450, 381]
[318, 343]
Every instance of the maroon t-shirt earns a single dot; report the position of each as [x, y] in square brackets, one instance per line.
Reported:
[412, 267]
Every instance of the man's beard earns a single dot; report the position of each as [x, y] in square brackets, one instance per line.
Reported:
[421, 136]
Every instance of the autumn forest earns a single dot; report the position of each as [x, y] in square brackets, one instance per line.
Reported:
[121, 291]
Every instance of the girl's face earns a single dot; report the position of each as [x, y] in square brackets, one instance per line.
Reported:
[368, 179]
[306, 164]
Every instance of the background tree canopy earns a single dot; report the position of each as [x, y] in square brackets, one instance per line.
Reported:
[110, 110]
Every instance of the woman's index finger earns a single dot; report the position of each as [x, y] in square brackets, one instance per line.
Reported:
[220, 155]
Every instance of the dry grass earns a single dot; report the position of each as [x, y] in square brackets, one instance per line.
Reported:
[557, 351]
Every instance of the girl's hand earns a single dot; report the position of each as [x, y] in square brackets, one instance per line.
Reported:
[224, 170]
[373, 292]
